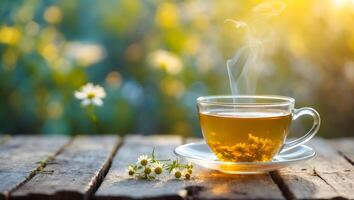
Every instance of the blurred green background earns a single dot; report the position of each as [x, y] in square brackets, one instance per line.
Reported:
[154, 58]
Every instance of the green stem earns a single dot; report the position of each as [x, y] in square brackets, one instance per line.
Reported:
[93, 118]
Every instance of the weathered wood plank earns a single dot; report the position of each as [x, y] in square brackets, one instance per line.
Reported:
[117, 184]
[327, 176]
[75, 172]
[346, 147]
[302, 185]
[216, 185]
[205, 185]
[19, 156]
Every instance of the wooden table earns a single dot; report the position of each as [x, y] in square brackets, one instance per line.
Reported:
[87, 167]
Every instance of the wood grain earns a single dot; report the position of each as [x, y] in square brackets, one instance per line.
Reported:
[73, 174]
[74, 170]
[327, 176]
[206, 184]
[19, 158]
[346, 147]
[118, 184]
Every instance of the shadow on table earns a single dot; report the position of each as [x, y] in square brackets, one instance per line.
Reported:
[210, 184]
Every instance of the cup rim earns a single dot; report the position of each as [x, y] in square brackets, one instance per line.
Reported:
[284, 100]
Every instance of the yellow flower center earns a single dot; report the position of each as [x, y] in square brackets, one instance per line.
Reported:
[188, 176]
[158, 170]
[178, 174]
[143, 162]
[91, 95]
[147, 170]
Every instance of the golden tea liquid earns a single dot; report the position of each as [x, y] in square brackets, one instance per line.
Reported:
[245, 136]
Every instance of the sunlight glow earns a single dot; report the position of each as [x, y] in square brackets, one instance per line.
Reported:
[341, 3]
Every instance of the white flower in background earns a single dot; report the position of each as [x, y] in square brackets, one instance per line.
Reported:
[91, 94]
[165, 60]
[85, 54]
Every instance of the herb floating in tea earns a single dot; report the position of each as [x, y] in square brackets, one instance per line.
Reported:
[148, 167]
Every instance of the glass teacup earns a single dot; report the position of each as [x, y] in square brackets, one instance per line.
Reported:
[251, 128]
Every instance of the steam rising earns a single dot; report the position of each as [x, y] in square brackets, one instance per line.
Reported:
[244, 68]
[246, 65]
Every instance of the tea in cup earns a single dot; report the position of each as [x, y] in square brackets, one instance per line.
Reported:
[250, 128]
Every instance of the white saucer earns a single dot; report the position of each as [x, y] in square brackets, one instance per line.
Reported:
[200, 154]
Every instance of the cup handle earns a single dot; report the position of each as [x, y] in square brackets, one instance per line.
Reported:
[315, 127]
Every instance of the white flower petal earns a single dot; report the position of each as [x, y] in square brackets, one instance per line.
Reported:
[157, 164]
[80, 95]
[143, 157]
[175, 170]
[86, 102]
[97, 101]
[99, 91]
[88, 87]
[130, 168]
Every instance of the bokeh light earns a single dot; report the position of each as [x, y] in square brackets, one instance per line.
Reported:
[154, 58]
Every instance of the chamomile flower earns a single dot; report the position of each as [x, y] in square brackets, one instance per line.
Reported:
[177, 173]
[147, 170]
[185, 174]
[91, 94]
[131, 170]
[149, 167]
[189, 168]
[157, 168]
[144, 160]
